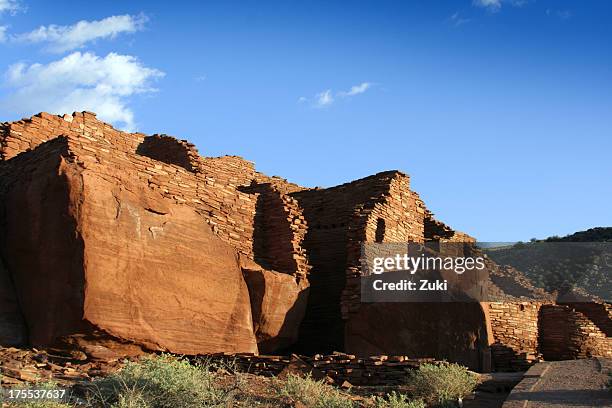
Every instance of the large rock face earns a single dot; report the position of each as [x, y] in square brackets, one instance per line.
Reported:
[91, 251]
[41, 246]
[278, 303]
[160, 272]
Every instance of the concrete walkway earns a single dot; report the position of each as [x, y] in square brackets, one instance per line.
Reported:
[557, 384]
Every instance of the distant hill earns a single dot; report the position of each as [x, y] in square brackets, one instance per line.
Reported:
[557, 266]
[598, 234]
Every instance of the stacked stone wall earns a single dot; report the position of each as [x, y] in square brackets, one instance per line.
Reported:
[585, 337]
[229, 212]
[566, 333]
[396, 215]
[280, 228]
[27, 134]
[170, 150]
[438, 231]
[339, 220]
[599, 313]
[554, 337]
[340, 367]
[279, 183]
[515, 335]
[211, 185]
[230, 171]
[310, 233]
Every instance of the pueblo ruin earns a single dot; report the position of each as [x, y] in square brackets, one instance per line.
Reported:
[114, 243]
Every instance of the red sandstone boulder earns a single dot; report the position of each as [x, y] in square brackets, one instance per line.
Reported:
[278, 303]
[94, 250]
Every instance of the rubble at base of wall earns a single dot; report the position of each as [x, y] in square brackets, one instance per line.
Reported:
[340, 367]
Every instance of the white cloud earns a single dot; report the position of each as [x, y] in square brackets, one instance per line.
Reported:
[493, 5]
[561, 14]
[496, 5]
[457, 20]
[328, 97]
[324, 98]
[356, 89]
[80, 81]
[3, 33]
[10, 6]
[67, 38]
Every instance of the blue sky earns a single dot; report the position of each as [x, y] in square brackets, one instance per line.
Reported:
[500, 110]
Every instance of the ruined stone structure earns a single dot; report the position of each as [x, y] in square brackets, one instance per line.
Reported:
[340, 367]
[113, 241]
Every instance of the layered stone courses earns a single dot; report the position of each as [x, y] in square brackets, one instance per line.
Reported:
[339, 367]
[570, 334]
[299, 250]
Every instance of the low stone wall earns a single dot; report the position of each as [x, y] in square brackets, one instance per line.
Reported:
[566, 334]
[586, 339]
[375, 370]
[554, 323]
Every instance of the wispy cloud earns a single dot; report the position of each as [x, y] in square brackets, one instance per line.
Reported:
[456, 19]
[328, 97]
[496, 5]
[356, 89]
[201, 78]
[324, 98]
[71, 37]
[80, 81]
[9, 6]
[561, 14]
[3, 33]
[492, 5]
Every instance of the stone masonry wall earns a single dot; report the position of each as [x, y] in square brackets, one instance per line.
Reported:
[339, 220]
[566, 333]
[553, 321]
[280, 228]
[396, 215]
[438, 231]
[170, 150]
[26, 134]
[585, 338]
[515, 335]
[373, 370]
[210, 185]
[310, 233]
[599, 313]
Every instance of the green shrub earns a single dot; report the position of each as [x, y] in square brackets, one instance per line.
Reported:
[442, 383]
[159, 382]
[396, 400]
[313, 394]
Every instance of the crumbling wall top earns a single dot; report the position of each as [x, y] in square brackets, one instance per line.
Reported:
[170, 150]
[26, 134]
